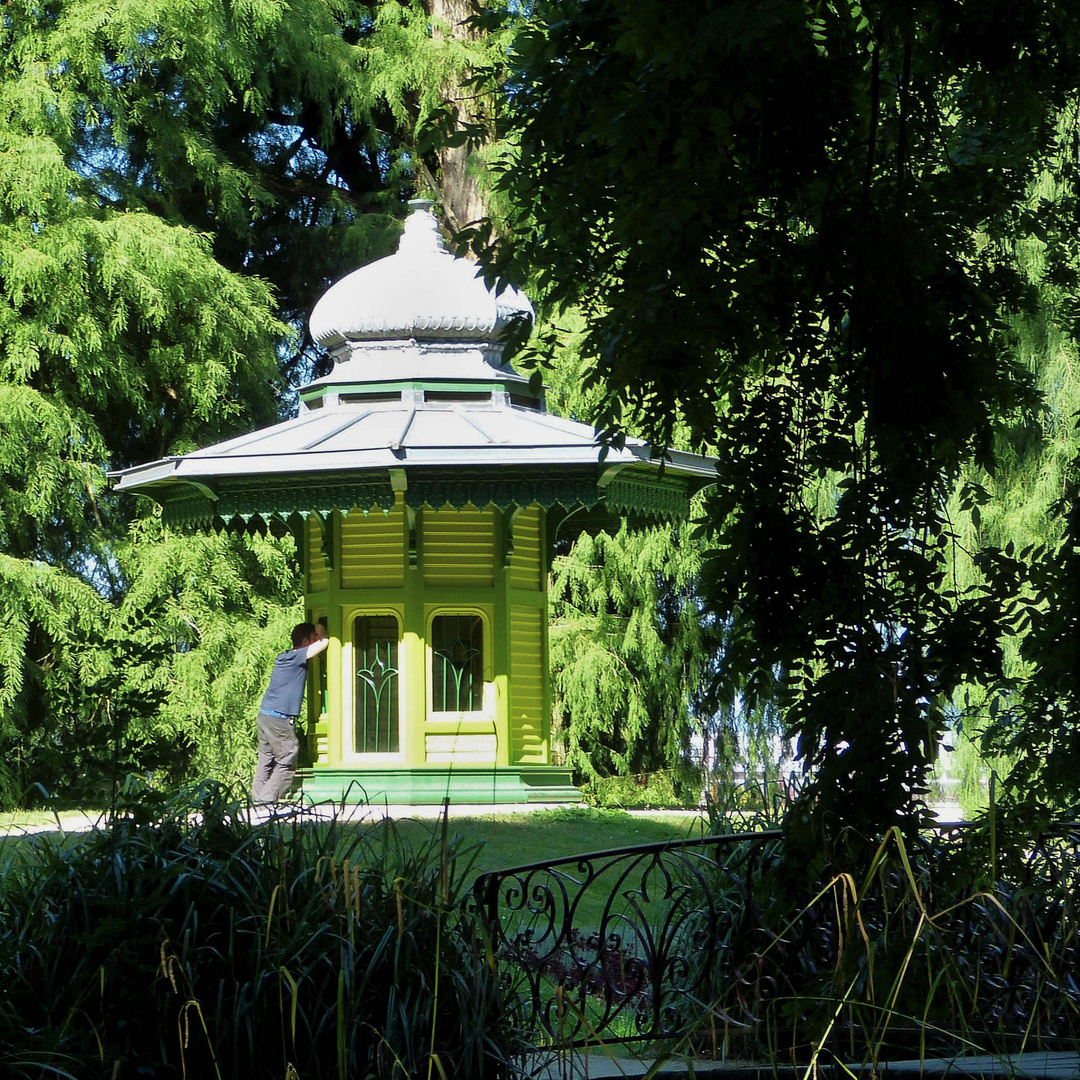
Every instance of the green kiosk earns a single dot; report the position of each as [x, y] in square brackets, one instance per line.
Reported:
[424, 482]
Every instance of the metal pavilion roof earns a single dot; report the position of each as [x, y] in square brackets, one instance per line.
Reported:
[437, 452]
[421, 403]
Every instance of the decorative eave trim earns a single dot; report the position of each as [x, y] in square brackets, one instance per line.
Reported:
[503, 494]
[283, 498]
[280, 499]
[667, 498]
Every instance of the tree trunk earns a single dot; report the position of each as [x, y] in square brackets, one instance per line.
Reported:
[463, 199]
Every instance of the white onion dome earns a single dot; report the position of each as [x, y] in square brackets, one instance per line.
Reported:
[421, 293]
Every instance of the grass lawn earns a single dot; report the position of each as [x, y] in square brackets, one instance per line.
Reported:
[507, 840]
[494, 841]
[501, 841]
[490, 842]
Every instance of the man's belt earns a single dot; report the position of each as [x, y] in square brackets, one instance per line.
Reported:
[279, 715]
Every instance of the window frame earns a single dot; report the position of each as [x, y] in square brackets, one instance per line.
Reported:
[455, 717]
[349, 752]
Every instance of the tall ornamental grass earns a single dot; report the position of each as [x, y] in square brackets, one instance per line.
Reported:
[955, 944]
[963, 940]
[183, 941]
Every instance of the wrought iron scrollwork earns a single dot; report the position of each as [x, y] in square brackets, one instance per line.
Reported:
[652, 942]
[623, 942]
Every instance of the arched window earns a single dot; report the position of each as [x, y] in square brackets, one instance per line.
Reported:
[457, 663]
[377, 721]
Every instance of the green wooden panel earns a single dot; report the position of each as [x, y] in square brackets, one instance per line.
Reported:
[528, 738]
[458, 749]
[525, 562]
[318, 576]
[460, 783]
[373, 549]
[319, 741]
[459, 548]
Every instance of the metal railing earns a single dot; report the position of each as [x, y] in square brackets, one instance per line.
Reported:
[653, 942]
[625, 942]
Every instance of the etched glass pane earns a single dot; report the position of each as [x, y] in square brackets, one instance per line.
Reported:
[457, 675]
[375, 652]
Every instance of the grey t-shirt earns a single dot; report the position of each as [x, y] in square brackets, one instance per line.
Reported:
[285, 694]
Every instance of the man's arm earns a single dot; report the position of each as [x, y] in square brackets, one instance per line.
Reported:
[319, 644]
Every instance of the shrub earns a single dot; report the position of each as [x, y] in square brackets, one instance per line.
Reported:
[938, 946]
[183, 940]
[644, 791]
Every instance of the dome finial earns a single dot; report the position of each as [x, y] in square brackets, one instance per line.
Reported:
[421, 233]
[422, 294]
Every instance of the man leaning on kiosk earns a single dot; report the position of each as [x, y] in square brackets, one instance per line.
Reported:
[279, 747]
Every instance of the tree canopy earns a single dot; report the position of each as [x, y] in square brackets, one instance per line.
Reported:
[795, 229]
[178, 183]
[833, 245]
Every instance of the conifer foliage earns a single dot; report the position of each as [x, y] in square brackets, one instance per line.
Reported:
[628, 650]
[803, 238]
[178, 183]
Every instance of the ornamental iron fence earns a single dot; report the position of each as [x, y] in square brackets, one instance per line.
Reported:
[622, 943]
[662, 941]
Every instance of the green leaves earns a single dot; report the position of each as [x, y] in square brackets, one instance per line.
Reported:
[798, 233]
[178, 183]
[627, 652]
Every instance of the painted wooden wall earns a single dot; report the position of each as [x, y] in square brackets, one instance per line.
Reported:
[469, 561]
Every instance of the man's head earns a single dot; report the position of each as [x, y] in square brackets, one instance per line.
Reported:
[303, 635]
